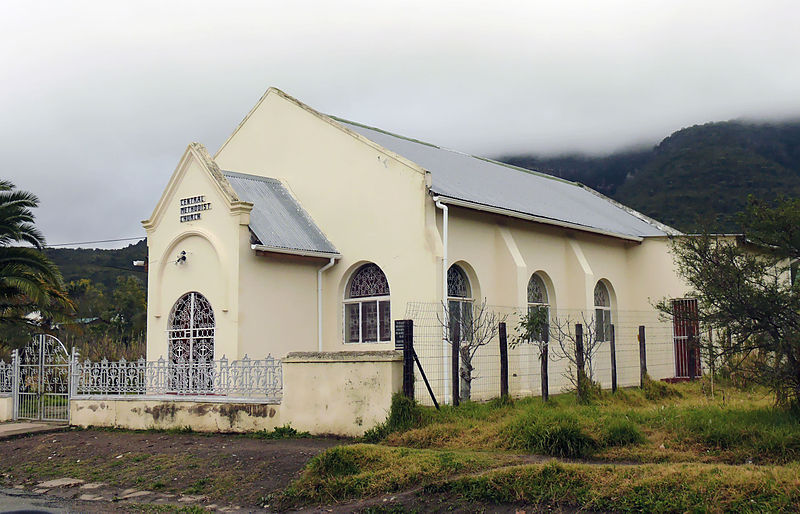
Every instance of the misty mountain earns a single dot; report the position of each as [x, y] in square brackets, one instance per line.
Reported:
[697, 177]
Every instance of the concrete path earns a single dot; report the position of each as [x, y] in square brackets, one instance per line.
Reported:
[9, 430]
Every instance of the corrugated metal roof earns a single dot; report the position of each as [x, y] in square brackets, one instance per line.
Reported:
[494, 184]
[277, 220]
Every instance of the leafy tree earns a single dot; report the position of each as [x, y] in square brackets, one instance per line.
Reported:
[744, 291]
[128, 308]
[29, 282]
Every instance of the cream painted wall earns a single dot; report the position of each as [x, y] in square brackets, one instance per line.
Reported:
[201, 416]
[372, 205]
[278, 295]
[500, 254]
[212, 257]
[342, 393]
[6, 407]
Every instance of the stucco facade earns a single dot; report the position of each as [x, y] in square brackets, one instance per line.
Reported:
[375, 206]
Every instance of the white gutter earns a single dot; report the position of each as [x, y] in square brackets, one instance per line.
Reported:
[445, 267]
[319, 301]
[290, 251]
[530, 217]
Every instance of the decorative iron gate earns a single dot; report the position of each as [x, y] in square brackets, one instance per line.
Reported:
[42, 380]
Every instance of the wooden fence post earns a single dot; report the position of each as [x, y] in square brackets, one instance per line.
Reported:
[503, 360]
[579, 361]
[404, 340]
[642, 357]
[545, 345]
[454, 367]
[613, 360]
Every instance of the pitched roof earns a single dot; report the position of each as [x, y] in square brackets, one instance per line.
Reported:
[489, 183]
[277, 219]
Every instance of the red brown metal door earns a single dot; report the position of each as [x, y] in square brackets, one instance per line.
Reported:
[686, 331]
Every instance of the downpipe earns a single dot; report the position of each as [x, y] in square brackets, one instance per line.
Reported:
[445, 361]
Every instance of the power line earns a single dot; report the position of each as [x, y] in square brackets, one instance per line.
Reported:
[100, 241]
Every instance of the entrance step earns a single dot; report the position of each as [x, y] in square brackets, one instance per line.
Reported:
[9, 430]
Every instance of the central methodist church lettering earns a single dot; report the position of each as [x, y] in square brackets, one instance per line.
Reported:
[192, 206]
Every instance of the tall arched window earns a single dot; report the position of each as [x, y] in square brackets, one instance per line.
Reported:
[459, 302]
[537, 297]
[366, 307]
[191, 329]
[602, 312]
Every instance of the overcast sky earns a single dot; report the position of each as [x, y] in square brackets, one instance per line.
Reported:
[98, 100]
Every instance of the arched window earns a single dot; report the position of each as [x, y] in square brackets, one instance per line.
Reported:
[602, 312]
[537, 297]
[191, 345]
[191, 329]
[459, 302]
[366, 306]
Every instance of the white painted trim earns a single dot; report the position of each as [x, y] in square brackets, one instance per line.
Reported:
[290, 251]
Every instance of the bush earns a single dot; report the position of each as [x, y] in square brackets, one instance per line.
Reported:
[656, 390]
[404, 413]
[622, 432]
[284, 432]
[560, 436]
[335, 462]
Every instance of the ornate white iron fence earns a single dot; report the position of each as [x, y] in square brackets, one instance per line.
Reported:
[6, 377]
[245, 379]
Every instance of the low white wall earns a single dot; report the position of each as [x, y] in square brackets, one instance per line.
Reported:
[342, 393]
[199, 415]
[6, 407]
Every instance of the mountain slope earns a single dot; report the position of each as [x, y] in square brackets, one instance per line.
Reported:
[698, 177]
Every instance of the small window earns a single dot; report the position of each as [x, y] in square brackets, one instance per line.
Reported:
[459, 303]
[367, 309]
[602, 312]
[537, 297]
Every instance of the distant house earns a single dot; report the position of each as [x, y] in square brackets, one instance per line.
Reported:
[306, 232]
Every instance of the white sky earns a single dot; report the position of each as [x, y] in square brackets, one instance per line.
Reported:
[98, 100]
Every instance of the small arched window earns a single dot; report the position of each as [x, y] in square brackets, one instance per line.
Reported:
[602, 312]
[537, 297]
[366, 306]
[459, 303]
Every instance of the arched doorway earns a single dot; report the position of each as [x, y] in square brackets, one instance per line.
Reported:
[191, 343]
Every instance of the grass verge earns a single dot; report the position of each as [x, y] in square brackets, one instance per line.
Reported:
[661, 423]
[646, 488]
[363, 470]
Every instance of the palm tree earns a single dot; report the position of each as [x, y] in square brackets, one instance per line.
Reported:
[29, 281]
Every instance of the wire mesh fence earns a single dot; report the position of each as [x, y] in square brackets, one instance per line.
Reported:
[431, 336]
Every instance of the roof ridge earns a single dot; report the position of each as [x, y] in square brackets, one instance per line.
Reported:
[248, 176]
[485, 159]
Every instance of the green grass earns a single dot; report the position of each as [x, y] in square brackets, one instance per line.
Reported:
[362, 470]
[657, 424]
[647, 488]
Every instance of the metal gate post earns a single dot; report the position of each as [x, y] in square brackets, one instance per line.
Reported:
[15, 383]
[72, 381]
